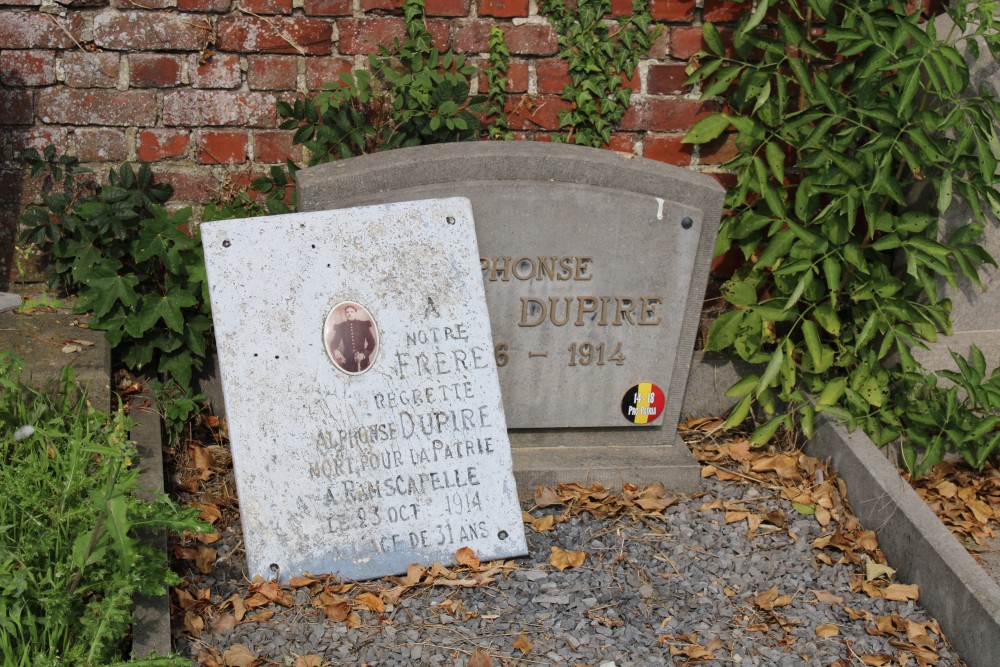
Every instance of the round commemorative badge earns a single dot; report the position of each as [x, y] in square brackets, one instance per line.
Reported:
[643, 403]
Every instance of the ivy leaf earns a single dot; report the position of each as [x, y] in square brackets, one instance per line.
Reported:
[102, 294]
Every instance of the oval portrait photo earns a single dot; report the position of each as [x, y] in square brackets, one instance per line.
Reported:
[350, 336]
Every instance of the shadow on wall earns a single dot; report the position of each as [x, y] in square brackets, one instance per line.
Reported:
[15, 109]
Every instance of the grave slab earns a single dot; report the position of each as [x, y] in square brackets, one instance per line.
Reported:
[595, 265]
[361, 391]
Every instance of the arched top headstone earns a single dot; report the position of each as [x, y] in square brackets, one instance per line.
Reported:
[594, 262]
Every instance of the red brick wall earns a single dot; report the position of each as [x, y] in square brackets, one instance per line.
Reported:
[192, 84]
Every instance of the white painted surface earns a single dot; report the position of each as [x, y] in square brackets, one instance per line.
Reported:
[406, 461]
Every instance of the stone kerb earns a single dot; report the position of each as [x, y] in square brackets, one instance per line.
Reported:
[595, 265]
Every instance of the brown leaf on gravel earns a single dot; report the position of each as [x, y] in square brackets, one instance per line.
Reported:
[193, 624]
[299, 582]
[522, 644]
[542, 523]
[561, 559]
[209, 513]
[770, 599]
[239, 608]
[858, 614]
[901, 592]
[223, 623]
[875, 659]
[260, 616]
[370, 602]
[205, 559]
[354, 620]
[480, 658]
[546, 497]
[827, 596]
[308, 661]
[207, 658]
[467, 557]
[239, 655]
[827, 630]
[337, 611]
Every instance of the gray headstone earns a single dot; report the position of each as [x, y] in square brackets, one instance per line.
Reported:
[595, 266]
[361, 392]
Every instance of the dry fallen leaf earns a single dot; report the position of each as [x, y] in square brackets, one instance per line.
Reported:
[370, 602]
[901, 592]
[223, 623]
[827, 596]
[308, 661]
[467, 557]
[480, 658]
[561, 559]
[827, 630]
[875, 570]
[522, 644]
[338, 611]
[239, 655]
[546, 497]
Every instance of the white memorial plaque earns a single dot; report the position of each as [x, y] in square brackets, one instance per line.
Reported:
[361, 389]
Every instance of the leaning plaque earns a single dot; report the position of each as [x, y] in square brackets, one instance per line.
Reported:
[595, 265]
[361, 390]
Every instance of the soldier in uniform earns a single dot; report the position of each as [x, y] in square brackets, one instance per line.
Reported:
[353, 343]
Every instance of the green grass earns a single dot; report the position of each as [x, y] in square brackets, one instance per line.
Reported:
[70, 561]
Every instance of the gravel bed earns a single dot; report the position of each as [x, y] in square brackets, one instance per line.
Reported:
[675, 589]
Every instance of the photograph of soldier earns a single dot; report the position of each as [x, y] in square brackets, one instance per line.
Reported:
[351, 337]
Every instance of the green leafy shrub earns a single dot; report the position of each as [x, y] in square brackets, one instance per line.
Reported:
[130, 260]
[599, 58]
[410, 95]
[70, 561]
[844, 111]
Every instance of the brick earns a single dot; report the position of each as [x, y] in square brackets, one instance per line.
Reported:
[672, 10]
[551, 76]
[222, 70]
[85, 69]
[273, 147]
[447, 8]
[16, 107]
[157, 144]
[249, 34]
[328, 7]
[472, 36]
[27, 68]
[151, 70]
[503, 8]
[272, 72]
[723, 10]
[267, 6]
[98, 144]
[97, 107]
[20, 3]
[667, 148]
[664, 114]
[226, 147]
[623, 143]
[431, 7]
[130, 4]
[531, 39]
[194, 108]
[666, 79]
[34, 30]
[719, 150]
[362, 36]
[190, 186]
[540, 112]
[154, 31]
[661, 45]
[517, 76]
[37, 138]
[685, 42]
[204, 5]
[326, 70]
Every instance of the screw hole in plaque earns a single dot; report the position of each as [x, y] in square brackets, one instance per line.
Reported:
[687, 222]
[226, 243]
[450, 220]
[502, 534]
[277, 356]
[274, 568]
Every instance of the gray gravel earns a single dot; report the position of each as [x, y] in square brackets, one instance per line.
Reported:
[688, 578]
